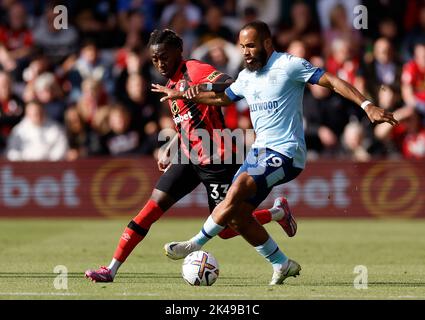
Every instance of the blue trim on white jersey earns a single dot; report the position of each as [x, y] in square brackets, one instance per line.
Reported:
[232, 96]
[314, 79]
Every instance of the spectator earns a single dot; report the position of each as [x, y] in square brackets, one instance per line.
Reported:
[341, 28]
[384, 69]
[82, 140]
[135, 63]
[132, 43]
[213, 27]
[390, 30]
[38, 66]
[324, 7]
[223, 55]
[302, 27]
[146, 8]
[90, 65]
[11, 108]
[408, 136]
[267, 10]
[134, 21]
[353, 140]
[413, 79]
[388, 99]
[49, 94]
[93, 98]
[192, 12]
[180, 25]
[341, 61]
[325, 117]
[297, 48]
[36, 138]
[384, 11]
[96, 19]
[137, 100]
[416, 36]
[122, 139]
[94, 78]
[16, 42]
[56, 43]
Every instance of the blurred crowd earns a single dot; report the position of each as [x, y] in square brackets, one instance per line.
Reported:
[84, 90]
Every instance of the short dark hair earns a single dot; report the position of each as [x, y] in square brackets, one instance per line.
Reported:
[261, 27]
[166, 37]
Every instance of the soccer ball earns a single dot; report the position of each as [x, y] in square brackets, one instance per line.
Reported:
[200, 268]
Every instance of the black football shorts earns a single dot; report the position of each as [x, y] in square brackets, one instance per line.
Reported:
[181, 179]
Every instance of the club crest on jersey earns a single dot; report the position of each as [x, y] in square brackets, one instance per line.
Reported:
[213, 75]
[307, 65]
[182, 86]
[174, 107]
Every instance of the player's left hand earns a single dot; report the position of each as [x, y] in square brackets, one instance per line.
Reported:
[379, 115]
[170, 94]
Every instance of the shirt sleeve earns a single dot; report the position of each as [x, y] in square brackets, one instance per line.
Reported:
[204, 73]
[234, 91]
[300, 70]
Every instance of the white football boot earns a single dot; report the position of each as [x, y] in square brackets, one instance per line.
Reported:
[292, 269]
[179, 250]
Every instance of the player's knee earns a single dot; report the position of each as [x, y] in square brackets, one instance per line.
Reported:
[163, 200]
[235, 194]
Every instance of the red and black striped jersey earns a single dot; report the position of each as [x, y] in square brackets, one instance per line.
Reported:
[200, 127]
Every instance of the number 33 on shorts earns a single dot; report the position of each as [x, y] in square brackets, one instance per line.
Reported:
[218, 191]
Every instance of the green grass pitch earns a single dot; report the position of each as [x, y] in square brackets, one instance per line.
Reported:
[328, 251]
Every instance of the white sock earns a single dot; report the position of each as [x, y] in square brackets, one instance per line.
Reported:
[209, 230]
[277, 267]
[114, 266]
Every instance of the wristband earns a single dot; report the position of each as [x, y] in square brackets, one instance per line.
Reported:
[365, 104]
[208, 86]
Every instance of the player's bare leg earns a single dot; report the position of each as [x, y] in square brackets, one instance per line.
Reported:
[133, 234]
[234, 210]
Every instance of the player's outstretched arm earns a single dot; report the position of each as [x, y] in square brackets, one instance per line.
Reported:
[375, 113]
[208, 93]
[200, 93]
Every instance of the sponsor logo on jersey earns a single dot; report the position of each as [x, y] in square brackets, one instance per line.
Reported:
[180, 118]
[263, 106]
[214, 75]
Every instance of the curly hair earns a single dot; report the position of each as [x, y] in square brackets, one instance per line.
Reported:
[167, 37]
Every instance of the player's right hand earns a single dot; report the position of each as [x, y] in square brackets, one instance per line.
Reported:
[379, 115]
[163, 163]
[170, 94]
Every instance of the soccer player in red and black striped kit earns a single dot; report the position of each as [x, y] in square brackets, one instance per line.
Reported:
[182, 177]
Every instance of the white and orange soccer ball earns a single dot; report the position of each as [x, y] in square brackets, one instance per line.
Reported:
[200, 268]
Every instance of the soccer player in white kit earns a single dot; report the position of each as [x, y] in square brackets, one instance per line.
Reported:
[273, 85]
